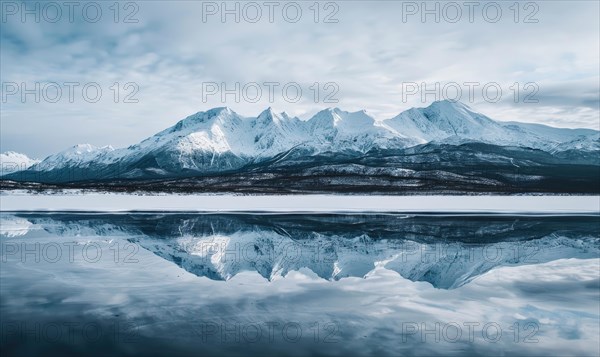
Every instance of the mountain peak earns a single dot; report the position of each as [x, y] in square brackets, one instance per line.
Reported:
[332, 122]
[449, 105]
[200, 119]
[11, 153]
[81, 148]
[268, 116]
[11, 161]
[450, 120]
[268, 113]
[220, 110]
[285, 115]
[331, 111]
[211, 113]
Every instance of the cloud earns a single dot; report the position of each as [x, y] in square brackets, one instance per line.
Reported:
[368, 53]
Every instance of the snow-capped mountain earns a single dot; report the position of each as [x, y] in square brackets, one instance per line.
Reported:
[82, 154]
[222, 141]
[556, 139]
[11, 161]
[336, 130]
[444, 120]
[454, 122]
[206, 138]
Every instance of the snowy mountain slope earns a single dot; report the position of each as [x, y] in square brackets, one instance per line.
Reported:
[443, 120]
[11, 161]
[78, 155]
[558, 139]
[454, 122]
[216, 140]
[550, 132]
[222, 131]
[220, 140]
[209, 140]
[583, 143]
[336, 130]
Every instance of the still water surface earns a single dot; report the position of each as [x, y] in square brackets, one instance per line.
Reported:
[299, 284]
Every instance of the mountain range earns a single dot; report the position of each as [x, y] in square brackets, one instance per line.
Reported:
[446, 146]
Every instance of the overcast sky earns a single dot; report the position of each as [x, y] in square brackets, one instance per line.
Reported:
[177, 55]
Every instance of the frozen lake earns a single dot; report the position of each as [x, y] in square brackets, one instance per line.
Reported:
[297, 203]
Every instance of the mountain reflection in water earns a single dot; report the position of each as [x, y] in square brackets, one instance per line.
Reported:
[352, 284]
